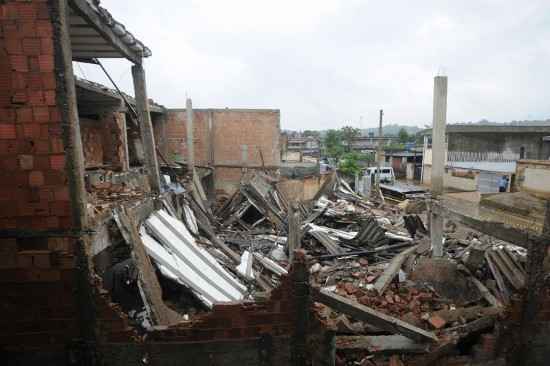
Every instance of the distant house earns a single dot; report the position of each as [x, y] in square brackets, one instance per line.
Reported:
[478, 155]
[370, 143]
[297, 147]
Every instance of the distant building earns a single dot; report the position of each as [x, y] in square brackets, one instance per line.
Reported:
[370, 143]
[297, 148]
[477, 155]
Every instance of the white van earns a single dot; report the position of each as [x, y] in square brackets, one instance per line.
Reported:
[386, 174]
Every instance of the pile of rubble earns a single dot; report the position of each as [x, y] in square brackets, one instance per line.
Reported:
[373, 279]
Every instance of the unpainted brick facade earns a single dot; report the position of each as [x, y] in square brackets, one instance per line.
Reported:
[229, 140]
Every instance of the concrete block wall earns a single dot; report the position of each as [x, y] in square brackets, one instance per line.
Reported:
[532, 143]
[33, 184]
[533, 176]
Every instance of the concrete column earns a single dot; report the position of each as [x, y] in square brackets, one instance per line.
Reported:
[438, 134]
[379, 157]
[190, 145]
[438, 161]
[146, 127]
[66, 101]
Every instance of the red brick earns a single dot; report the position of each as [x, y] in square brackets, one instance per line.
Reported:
[19, 63]
[34, 64]
[41, 114]
[60, 208]
[31, 46]
[36, 97]
[48, 80]
[18, 80]
[437, 322]
[13, 46]
[49, 97]
[19, 97]
[57, 145]
[7, 115]
[8, 209]
[46, 195]
[10, 11]
[55, 116]
[61, 194]
[55, 177]
[36, 179]
[43, 13]
[52, 222]
[7, 132]
[27, 29]
[42, 162]
[8, 147]
[34, 80]
[8, 163]
[31, 130]
[24, 115]
[11, 31]
[57, 162]
[45, 63]
[44, 28]
[42, 146]
[26, 162]
[46, 46]
[27, 11]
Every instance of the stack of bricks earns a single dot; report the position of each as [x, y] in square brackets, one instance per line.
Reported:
[238, 321]
[33, 185]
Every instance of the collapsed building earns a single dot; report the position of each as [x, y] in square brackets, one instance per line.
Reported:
[110, 257]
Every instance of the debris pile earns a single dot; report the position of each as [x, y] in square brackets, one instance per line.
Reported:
[373, 280]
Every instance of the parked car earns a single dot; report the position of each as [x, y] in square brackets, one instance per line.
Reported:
[386, 174]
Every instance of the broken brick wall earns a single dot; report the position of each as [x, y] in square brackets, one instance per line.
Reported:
[104, 141]
[37, 308]
[33, 183]
[228, 139]
[232, 334]
[91, 132]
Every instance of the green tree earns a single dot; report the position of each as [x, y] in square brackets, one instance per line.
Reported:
[349, 164]
[333, 144]
[348, 135]
[403, 136]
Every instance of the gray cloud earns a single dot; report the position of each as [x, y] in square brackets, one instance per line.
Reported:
[326, 63]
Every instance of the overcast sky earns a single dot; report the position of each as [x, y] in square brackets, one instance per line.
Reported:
[327, 63]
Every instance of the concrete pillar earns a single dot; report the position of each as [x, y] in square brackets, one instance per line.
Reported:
[438, 134]
[190, 145]
[74, 166]
[379, 157]
[146, 127]
[438, 161]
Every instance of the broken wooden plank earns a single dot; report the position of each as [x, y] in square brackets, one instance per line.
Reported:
[487, 295]
[391, 271]
[504, 292]
[371, 316]
[505, 270]
[474, 327]
[392, 344]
